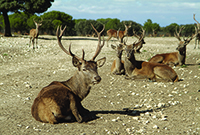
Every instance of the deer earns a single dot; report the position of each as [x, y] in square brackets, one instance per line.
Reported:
[117, 67]
[60, 101]
[139, 46]
[145, 70]
[175, 58]
[197, 38]
[34, 33]
[113, 33]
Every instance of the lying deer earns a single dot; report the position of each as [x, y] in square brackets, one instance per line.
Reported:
[62, 100]
[175, 58]
[113, 33]
[140, 69]
[140, 45]
[118, 64]
[34, 33]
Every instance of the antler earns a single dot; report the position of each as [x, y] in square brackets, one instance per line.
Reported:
[177, 35]
[136, 34]
[99, 47]
[62, 47]
[140, 39]
[41, 20]
[195, 19]
[189, 39]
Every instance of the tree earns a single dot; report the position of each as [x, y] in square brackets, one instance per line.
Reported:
[54, 18]
[30, 6]
[171, 28]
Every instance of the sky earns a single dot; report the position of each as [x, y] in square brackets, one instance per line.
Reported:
[163, 12]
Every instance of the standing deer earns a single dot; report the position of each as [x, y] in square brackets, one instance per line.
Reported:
[145, 70]
[62, 100]
[118, 64]
[113, 33]
[140, 45]
[175, 58]
[34, 33]
[197, 38]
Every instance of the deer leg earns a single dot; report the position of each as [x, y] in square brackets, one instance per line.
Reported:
[30, 42]
[74, 109]
[36, 42]
[33, 43]
[195, 43]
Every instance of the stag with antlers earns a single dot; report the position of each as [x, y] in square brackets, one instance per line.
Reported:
[197, 38]
[62, 100]
[113, 33]
[34, 33]
[145, 70]
[175, 58]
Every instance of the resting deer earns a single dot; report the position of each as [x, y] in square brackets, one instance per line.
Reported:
[197, 38]
[175, 58]
[113, 33]
[145, 70]
[140, 45]
[34, 33]
[118, 64]
[62, 100]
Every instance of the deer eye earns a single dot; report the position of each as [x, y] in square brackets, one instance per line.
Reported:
[84, 69]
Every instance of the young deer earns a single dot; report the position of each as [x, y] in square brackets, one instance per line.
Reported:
[113, 33]
[197, 38]
[140, 45]
[141, 69]
[34, 33]
[175, 58]
[118, 64]
[62, 100]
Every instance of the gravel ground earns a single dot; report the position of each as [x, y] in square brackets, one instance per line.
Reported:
[122, 106]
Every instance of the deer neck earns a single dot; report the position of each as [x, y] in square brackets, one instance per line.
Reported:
[129, 64]
[182, 56]
[37, 29]
[79, 85]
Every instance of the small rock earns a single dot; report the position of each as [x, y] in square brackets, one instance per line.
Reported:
[155, 127]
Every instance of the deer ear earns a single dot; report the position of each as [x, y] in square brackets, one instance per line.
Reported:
[101, 62]
[75, 62]
[113, 47]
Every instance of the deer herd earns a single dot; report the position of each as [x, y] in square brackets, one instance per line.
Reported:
[61, 101]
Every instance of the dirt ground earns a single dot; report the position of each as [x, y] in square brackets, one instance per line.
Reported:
[153, 107]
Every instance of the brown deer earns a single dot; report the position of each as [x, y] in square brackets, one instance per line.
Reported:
[197, 38]
[34, 33]
[175, 58]
[145, 70]
[118, 64]
[62, 100]
[113, 33]
[140, 45]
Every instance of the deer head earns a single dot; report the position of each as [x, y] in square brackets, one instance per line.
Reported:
[182, 43]
[86, 69]
[129, 49]
[38, 24]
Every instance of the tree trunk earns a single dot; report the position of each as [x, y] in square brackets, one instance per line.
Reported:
[7, 25]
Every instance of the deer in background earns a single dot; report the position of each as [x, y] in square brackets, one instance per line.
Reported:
[34, 33]
[113, 33]
[175, 58]
[145, 70]
[197, 38]
[118, 64]
[62, 100]
[140, 45]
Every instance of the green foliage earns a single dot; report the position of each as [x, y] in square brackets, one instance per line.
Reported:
[5, 54]
[171, 28]
[52, 19]
[149, 26]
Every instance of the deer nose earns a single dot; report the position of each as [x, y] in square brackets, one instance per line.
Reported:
[97, 78]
